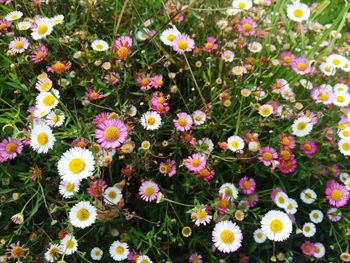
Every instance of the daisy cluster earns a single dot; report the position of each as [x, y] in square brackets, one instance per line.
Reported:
[172, 132]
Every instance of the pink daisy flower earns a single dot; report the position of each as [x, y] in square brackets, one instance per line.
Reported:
[195, 163]
[5, 24]
[195, 258]
[308, 248]
[101, 117]
[286, 141]
[81, 142]
[19, 45]
[168, 168]
[247, 27]
[123, 46]
[59, 67]
[309, 148]
[334, 170]
[310, 115]
[111, 133]
[334, 214]
[188, 138]
[159, 103]
[247, 185]
[96, 188]
[301, 66]
[183, 43]
[184, 122]
[336, 194]
[252, 200]
[322, 95]
[287, 58]
[39, 54]
[157, 81]
[210, 45]
[274, 193]
[287, 166]
[10, 148]
[112, 77]
[267, 155]
[144, 81]
[223, 204]
[93, 95]
[148, 191]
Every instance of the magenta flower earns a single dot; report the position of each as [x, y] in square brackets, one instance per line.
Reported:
[287, 142]
[101, 117]
[111, 133]
[195, 258]
[195, 163]
[184, 122]
[93, 95]
[112, 77]
[123, 46]
[96, 188]
[39, 54]
[148, 191]
[210, 45]
[183, 43]
[81, 142]
[274, 193]
[10, 148]
[287, 166]
[287, 58]
[309, 148]
[247, 185]
[301, 66]
[159, 103]
[336, 194]
[157, 81]
[5, 24]
[247, 27]
[144, 81]
[308, 248]
[322, 95]
[168, 168]
[267, 155]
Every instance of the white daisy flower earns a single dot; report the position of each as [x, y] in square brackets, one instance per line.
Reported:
[47, 100]
[238, 70]
[151, 120]
[316, 216]
[340, 87]
[232, 11]
[344, 133]
[55, 120]
[298, 12]
[228, 190]
[259, 236]
[199, 117]
[99, 45]
[42, 29]
[68, 189]
[281, 199]
[41, 138]
[96, 253]
[200, 216]
[308, 196]
[235, 143]
[291, 206]
[242, 4]
[276, 225]
[255, 47]
[227, 236]
[265, 110]
[112, 195]
[130, 110]
[206, 145]
[343, 177]
[306, 84]
[346, 67]
[336, 60]
[320, 250]
[119, 251]
[344, 146]
[302, 126]
[168, 36]
[309, 229]
[76, 164]
[40, 113]
[14, 15]
[68, 245]
[143, 259]
[342, 99]
[52, 254]
[327, 69]
[24, 25]
[347, 183]
[82, 215]
[56, 20]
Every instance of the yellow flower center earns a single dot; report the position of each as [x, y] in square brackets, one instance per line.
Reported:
[323, 96]
[182, 44]
[346, 146]
[42, 138]
[17, 252]
[99, 46]
[42, 29]
[49, 100]
[281, 200]
[111, 133]
[19, 45]
[276, 226]
[337, 195]
[287, 59]
[202, 214]
[259, 235]
[123, 52]
[76, 165]
[336, 61]
[246, 184]
[183, 121]
[46, 86]
[235, 144]
[209, 45]
[119, 250]
[247, 27]
[56, 118]
[195, 162]
[267, 156]
[227, 236]
[151, 120]
[242, 5]
[70, 187]
[266, 111]
[11, 147]
[54, 252]
[340, 98]
[315, 215]
[301, 66]
[301, 126]
[70, 244]
[170, 37]
[307, 228]
[83, 214]
[112, 195]
[228, 191]
[149, 190]
[298, 12]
